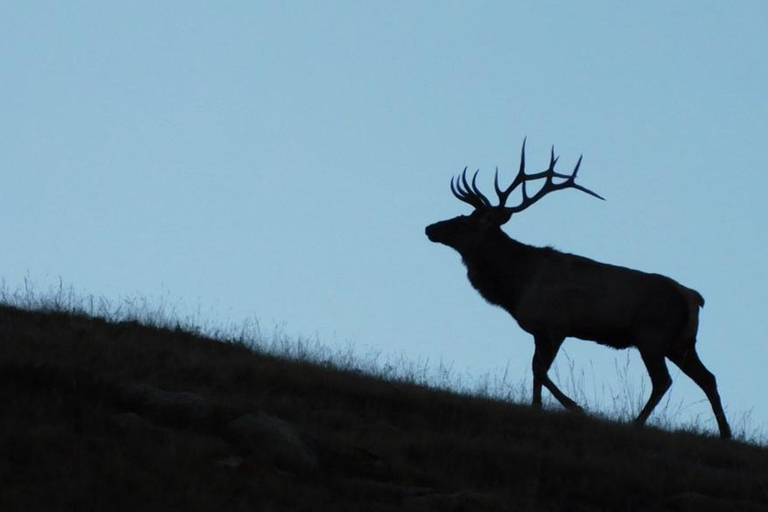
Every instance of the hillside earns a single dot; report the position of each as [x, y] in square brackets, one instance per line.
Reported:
[100, 415]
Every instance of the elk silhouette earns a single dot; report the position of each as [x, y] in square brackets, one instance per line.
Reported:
[554, 295]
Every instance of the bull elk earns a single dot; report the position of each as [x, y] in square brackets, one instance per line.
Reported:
[554, 295]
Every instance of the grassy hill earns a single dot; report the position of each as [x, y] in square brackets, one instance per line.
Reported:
[106, 415]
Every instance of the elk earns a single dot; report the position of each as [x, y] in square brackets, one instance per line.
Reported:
[554, 295]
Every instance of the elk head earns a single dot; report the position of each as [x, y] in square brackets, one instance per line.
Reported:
[468, 231]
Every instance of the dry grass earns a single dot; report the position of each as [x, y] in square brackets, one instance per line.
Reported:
[383, 444]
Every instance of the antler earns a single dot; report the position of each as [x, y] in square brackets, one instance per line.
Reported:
[549, 185]
[470, 194]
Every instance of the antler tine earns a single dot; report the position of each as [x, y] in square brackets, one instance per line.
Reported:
[456, 187]
[520, 178]
[550, 185]
[469, 193]
[550, 172]
[578, 164]
[552, 158]
[579, 187]
[477, 192]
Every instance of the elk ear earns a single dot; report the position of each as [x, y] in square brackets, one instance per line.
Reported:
[499, 216]
[494, 218]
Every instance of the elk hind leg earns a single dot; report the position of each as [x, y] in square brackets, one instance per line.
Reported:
[546, 350]
[692, 366]
[660, 382]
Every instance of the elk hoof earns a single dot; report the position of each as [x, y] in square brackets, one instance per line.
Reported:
[577, 409]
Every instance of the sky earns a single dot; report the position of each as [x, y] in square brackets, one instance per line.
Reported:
[279, 161]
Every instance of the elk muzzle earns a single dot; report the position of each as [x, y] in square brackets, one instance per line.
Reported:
[435, 232]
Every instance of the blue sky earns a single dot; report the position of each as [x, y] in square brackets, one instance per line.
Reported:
[281, 160]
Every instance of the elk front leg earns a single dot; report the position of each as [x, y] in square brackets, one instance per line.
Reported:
[546, 350]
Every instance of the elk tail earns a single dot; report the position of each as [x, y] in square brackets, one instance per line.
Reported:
[693, 301]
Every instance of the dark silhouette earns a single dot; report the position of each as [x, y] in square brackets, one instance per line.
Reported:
[554, 295]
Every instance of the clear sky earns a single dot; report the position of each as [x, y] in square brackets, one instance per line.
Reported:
[280, 160]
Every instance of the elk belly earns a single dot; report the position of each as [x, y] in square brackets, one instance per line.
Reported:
[572, 311]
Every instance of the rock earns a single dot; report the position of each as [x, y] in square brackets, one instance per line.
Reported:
[272, 441]
[266, 439]
[167, 406]
[697, 502]
[130, 421]
[459, 501]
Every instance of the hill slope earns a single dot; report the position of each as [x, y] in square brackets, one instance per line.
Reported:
[120, 416]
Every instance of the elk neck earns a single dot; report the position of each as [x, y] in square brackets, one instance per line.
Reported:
[500, 268]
